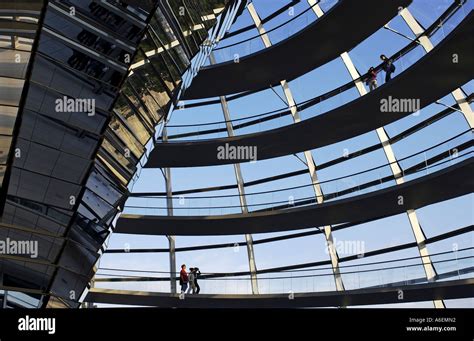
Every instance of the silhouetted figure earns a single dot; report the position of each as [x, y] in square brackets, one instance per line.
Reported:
[388, 67]
[197, 273]
[191, 281]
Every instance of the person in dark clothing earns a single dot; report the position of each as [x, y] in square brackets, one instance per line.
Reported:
[388, 67]
[371, 80]
[197, 273]
[191, 288]
[183, 278]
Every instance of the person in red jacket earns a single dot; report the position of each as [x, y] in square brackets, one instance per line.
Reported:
[183, 278]
[371, 80]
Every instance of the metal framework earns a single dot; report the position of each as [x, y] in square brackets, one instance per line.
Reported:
[169, 205]
[129, 119]
[384, 140]
[311, 165]
[241, 190]
[416, 228]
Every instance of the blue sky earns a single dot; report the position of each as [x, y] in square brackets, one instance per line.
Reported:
[435, 219]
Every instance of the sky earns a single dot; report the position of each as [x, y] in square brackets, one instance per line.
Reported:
[434, 219]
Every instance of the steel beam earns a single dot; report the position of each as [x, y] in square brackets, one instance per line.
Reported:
[241, 189]
[466, 110]
[425, 42]
[169, 208]
[391, 158]
[308, 155]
